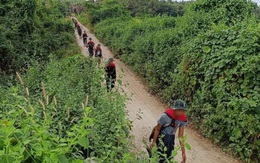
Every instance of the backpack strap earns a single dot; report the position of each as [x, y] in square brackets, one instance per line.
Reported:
[170, 114]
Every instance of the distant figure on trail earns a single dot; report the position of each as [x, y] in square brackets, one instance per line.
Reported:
[119, 53]
[85, 37]
[98, 53]
[110, 74]
[170, 121]
[90, 45]
[79, 31]
[75, 22]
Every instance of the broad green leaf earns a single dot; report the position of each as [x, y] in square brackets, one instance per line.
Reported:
[84, 142]
[187, 146]
[206, 49]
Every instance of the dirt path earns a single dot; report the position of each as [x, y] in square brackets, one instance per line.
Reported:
[144, 104]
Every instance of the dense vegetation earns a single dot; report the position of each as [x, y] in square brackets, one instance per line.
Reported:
[153, 7]
[62, 114]
[209, 56]
[55, 108]
[30, 30]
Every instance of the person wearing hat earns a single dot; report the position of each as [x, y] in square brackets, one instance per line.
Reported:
[111, 74]
[170, 121]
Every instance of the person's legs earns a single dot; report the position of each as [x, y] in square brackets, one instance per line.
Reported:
[113, 83]
[99, 60]
[80, 35]
[168, 142]
[108, 82]
[91, 53]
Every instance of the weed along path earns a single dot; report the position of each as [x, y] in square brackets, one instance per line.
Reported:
[143, 104]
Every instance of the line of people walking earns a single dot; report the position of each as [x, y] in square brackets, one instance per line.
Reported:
[110, 67]
[173, 119]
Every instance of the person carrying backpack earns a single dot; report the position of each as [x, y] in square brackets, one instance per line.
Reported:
[110, 74]
[98, 53]
[170, 121]
[90, 45]
[79, 31]
[85, 37]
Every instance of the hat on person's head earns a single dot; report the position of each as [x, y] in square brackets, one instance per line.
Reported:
[110, 59]
[179, 105]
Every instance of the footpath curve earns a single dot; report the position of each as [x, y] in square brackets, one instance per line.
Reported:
[147, 106]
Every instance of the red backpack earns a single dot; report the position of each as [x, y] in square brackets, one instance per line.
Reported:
[170, 113]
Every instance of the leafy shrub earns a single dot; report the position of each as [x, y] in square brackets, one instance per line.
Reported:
[108, 9]
[221, 74]
[60, 111]
[154, 7]
[30, 31]
[53, 122]
[225, 11]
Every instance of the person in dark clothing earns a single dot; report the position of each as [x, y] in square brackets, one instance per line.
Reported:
[79, 31]
[110, 74]
[90, 45]
[85, 37]
[98, 53]
[119, 53]
[170, 121]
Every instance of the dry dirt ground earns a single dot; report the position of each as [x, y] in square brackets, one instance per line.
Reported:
[150, 108]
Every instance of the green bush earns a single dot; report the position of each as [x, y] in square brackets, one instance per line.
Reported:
[30, 31]
[61, 110]
[220, 72]
[154, 7]
[225, 11]
[47, 118]
[108, 9]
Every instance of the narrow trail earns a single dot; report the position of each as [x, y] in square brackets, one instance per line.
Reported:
[150, 108]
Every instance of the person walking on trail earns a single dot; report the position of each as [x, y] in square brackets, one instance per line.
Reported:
[79, 31]
[98, 53]
[164, 133]
[90, 45]
[110, 74]
[119, 53]
[75, 22]
[85, 37]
